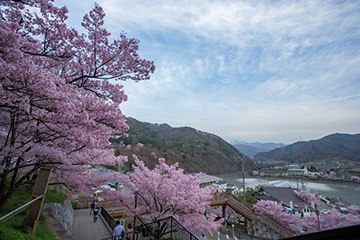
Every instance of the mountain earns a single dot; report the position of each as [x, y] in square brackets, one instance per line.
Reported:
[332, 147]
[251, 149]
[194, 150]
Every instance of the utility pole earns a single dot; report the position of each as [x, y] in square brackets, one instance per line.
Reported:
[243, 176]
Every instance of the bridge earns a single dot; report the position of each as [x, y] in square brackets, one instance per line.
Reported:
[257, 225]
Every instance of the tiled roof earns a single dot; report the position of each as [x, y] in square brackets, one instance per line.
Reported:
[285, 195]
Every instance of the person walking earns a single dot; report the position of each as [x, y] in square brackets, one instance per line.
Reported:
[118, 231]
[129, 232]
[96, 213]
[92, 207]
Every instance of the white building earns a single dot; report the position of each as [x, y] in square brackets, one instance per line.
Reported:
[298, 171]
[206, 180]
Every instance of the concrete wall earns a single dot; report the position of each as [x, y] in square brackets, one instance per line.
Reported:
[260, 229]
[64, 214]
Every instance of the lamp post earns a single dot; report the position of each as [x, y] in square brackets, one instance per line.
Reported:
[317, 215]
[135, 195]
[243, 175]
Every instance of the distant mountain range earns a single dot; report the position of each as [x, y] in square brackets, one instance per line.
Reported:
[251, 149]
[332, 147]
[194, 150]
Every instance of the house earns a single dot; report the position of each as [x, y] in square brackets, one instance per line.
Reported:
[220, 186]
[286, 196]
[271, 172]
[206, 180]
[298, 171]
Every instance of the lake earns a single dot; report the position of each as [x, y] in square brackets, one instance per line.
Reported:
[347, 192]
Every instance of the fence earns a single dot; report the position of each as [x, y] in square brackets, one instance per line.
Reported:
[239, 235]
[108, 219]
[166, 228]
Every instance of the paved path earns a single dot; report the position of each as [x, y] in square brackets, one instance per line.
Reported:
[84, 228]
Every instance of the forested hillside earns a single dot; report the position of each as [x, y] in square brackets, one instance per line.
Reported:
[332, 147]
[194, 150]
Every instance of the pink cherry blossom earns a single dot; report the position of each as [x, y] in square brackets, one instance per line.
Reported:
[58, 105]
[166, 191]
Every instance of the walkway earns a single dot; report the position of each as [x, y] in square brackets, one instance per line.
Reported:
[245, 210]
[84, 228]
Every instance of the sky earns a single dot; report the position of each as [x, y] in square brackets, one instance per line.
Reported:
[268, 71]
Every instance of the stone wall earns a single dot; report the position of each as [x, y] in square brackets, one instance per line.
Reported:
[64, 214]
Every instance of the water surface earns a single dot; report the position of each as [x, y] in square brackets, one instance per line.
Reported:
[347, 192]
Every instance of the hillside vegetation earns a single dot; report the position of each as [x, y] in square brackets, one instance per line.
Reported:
[14, 229]
[344, 147]
[194, 150]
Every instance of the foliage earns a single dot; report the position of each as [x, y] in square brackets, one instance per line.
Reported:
[354, 209]
[250, 199]
[276, 212]
[166, 191]
[307, 197]
[355, 179]
[14, 229]
[331, 220]
[57, 105]
[195, 150]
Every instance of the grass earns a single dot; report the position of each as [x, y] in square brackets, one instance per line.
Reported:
[14, 229]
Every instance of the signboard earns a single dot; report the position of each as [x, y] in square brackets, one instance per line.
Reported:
[40, 188]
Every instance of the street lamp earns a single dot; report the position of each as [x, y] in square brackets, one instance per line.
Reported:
[243, 175]
[317, 215]
[135, 195]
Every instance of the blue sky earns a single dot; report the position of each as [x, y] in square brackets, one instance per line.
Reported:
[246, 70]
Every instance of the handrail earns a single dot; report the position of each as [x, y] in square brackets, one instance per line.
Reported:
[145, 225]
[19, 209]
[245, 208]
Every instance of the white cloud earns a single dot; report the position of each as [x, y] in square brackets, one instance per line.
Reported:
[252, 70]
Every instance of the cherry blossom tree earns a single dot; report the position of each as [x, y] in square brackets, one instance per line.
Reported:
[354, 209]
[58, 106]
[276, 212]
[166, 191]
[333, 219]
[355, 179]
[307, 197]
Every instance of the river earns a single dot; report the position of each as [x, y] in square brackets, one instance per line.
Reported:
[346, 192]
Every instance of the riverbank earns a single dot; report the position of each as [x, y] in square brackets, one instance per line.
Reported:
[348, 192]
[309, 179]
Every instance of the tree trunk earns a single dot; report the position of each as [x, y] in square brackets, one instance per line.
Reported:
[4, 198]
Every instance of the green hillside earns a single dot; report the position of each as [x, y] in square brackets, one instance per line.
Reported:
[194, 150]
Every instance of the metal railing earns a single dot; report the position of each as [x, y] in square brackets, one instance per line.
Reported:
[108, 219]
[20, 209]
[168, 228]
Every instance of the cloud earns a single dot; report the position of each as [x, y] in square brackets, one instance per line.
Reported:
[248, 70]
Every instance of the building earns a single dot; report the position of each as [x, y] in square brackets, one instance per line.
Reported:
[286, 196]
[206, 180]
[298, 171]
